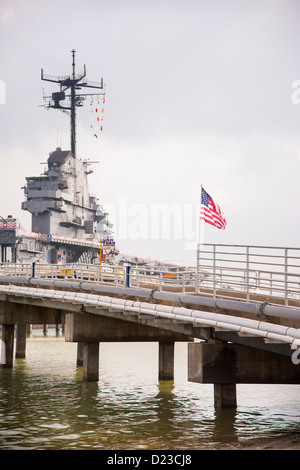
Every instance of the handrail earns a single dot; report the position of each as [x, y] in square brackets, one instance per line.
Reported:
[271, 271]
[233, 271]
[153, 277]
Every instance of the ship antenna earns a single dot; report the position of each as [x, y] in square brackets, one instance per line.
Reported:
[71, 83]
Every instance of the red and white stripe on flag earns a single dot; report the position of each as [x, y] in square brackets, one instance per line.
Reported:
[211, 212]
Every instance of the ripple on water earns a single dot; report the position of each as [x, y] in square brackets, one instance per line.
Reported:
[44, 404]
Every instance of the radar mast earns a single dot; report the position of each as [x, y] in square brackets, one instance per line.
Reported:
[71, 83]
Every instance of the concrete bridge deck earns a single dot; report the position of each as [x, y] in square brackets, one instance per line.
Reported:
[230, 341]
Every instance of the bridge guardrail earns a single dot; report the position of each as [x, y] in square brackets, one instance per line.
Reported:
[251, 273]
[145, 276]
[273, 272]
[17, 270]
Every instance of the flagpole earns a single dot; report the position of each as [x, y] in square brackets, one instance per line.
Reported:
[201, 223]
[201, 241]
[212, 214]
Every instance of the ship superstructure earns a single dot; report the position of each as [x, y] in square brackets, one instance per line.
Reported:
[68, 224]
[60, 202]
[61, 205]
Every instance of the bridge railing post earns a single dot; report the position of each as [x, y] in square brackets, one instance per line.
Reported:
[214, 270]
[286, 276]
[184, 281]
[120, 276]
[124, 276]
[160, 280]
[247, 273]
[127, 276]
[137, 274]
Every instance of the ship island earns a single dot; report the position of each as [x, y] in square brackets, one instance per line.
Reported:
[68, 224]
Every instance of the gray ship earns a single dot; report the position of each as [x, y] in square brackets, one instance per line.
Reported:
[68, 225]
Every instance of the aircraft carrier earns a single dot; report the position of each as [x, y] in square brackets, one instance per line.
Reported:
[68, 224]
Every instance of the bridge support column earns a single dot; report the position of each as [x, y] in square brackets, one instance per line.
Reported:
[226, 365]
[20, 341]
[166, 360]
[225, 396]
[80, 354]
[8, 340]
[91, 362]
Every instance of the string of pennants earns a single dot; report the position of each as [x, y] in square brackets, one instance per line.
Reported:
[97, 115]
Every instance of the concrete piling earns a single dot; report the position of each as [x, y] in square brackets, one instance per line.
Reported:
[91, 362]
[226, 365]
[166, 361]
[21, 341]
[8, 340]
[79, 354]
[225, 396]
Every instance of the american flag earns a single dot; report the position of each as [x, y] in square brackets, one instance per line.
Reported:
[210, 211]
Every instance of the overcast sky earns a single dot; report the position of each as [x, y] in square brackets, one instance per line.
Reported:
[197, 92]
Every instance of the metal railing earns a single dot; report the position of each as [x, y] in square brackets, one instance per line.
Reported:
[160, 279]
[145, 276]
[15, 270]
[249, 272]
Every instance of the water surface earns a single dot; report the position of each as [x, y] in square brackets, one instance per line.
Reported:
[44, 404]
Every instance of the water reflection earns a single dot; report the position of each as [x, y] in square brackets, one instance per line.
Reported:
[165, 404]
[44, 404]
[225, 426]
